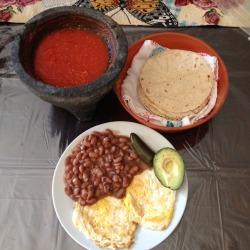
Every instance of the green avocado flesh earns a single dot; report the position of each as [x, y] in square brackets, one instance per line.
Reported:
[169, 168]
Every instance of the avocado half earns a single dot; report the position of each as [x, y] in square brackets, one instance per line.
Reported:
[169, 168]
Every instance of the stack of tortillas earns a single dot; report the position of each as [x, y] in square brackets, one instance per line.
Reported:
[175, 83]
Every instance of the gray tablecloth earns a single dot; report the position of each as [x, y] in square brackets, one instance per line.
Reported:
[33, 135]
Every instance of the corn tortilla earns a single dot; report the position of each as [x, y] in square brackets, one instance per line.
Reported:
[175, 83]
[154, 109]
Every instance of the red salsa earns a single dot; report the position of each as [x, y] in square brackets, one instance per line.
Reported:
[70, 57]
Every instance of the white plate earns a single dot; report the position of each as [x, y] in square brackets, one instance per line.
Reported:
[144, 238]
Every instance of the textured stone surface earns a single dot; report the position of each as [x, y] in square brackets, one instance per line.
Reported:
[81, 101]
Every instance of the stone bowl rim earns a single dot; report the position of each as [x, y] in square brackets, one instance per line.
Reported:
[46, 89]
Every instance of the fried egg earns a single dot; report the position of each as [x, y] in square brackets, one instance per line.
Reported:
[150, 204]
[107, 223]
[111, 222]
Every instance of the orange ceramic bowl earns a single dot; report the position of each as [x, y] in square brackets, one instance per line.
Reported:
[177, 41]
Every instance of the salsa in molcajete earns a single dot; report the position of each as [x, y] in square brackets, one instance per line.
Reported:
[70, 57]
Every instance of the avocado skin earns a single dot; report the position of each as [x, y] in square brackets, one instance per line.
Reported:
[141, 149]
[169, 154]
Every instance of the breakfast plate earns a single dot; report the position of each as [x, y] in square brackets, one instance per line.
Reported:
[63, 205]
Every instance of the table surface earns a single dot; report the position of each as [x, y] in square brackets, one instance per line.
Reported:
[33, 135]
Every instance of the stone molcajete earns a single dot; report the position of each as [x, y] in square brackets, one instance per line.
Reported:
[81, 100]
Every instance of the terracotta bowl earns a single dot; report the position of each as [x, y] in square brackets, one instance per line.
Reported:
[176, 41]
[82, 100]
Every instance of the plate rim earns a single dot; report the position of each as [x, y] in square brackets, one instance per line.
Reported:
[184, 188]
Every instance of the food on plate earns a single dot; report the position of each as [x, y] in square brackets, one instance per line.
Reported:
[150, 204]
[167, 162]
[107, 223]
[102, 164]
[175, 83]
[141, 149]
[169, 168]
[111, 222]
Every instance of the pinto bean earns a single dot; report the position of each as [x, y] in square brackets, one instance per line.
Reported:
[118, 159]
[133, 155]
[81, 168]
[82, 201]
[90, 194]
[68, 176]
[116, 178]
[79, 176]
[68, 190]
[77, 149]
[101, 164]
[134, 169]
[107, 132]
[114, 140]
[93, 140]
[73, 197]
[87, 163]
[98, 134]
[107, 189]
[101, 149]
[76, 191]
[68, 160]
[125, 147]
[68, 167]
[75, 161]
[120, 193]
[99, 172]
[91, 201]
[84, 185]
[113, 149]
[123, 139]
[75, 170]
[85, 177]
[76, 181]
[107, 144]
[92, 154]
[97, 182]
[125, 181]
[107, 164]
[87, 144]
